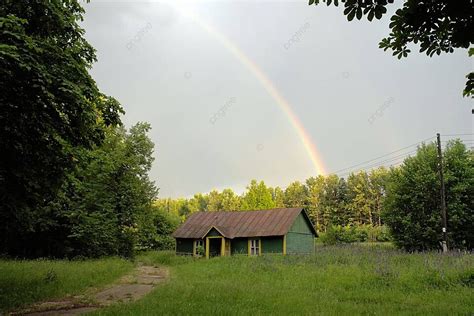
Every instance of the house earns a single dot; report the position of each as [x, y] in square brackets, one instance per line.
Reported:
[283, 230]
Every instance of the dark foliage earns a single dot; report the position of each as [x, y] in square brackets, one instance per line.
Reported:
[50, 108]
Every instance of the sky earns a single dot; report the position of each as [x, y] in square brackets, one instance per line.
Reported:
[277, 91]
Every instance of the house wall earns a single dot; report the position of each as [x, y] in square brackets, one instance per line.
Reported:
[300, 238]
[184, 246]
[239, 246]
[272, 244]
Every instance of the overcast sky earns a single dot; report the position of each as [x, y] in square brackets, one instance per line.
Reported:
[214, 123]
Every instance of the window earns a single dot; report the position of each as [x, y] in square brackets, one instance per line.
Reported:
[254, 247]
[199, 247]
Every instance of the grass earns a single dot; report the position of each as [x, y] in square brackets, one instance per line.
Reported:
[356, 279]
[23, 282]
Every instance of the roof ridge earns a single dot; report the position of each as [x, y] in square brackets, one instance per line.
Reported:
[242, 211]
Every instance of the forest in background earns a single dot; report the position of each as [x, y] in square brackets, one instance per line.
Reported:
[400, 203]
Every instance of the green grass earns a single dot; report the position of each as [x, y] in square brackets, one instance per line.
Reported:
[356, 279]
[23, 282]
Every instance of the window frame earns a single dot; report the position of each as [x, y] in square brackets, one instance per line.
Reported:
[254, 246]
[197, 243]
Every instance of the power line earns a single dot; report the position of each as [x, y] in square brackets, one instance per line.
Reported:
[384, 162]
[393, 162]
[393, 152]
[396, 160]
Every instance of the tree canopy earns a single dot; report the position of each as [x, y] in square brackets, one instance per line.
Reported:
[413, 209]
[50, 105]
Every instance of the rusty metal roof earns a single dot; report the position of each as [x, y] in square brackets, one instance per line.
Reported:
[274, 222]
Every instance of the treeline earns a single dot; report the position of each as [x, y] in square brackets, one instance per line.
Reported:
[329, 200]
[406, 198]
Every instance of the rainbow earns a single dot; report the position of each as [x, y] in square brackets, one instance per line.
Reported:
[263, 79]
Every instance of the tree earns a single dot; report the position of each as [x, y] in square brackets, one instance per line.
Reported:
[198, 203]
[359, 198]
[155, 228]
[413, 199]
[295, 195]
[459, 180]
[377, 186]
[50, 105]
[227, 200]
[230, 200]
[214, 201]
[314, 189]
[257, 197]
[99, 207]
[333, 202]
[437, 25]
[278, 197]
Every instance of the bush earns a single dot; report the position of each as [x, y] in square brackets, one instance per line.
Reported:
[337, 234]
[155, 229]
[164, 242]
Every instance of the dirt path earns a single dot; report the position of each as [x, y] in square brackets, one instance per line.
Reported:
[129, 288]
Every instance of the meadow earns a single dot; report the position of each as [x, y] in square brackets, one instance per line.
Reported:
[336, 280]
[353, 279]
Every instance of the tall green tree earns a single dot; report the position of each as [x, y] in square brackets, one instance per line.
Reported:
[377, 186]
[333, 202]
[295, 195]
[278, 197]
[257, 197]
[413, 209]
[230, 201]
[438, 26]
[98, 209]
[314, 190]
[360, 203]
[50, 106]
[214, 201]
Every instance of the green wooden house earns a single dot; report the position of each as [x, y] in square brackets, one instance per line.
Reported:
[283, 230]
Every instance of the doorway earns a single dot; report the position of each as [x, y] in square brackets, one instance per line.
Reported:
[215, 246]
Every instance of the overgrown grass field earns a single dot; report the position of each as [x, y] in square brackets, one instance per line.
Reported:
[23, 282]
[356, 279]
[336, 280]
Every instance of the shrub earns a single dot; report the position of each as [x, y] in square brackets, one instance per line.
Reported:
[155, 229]
[337, 234]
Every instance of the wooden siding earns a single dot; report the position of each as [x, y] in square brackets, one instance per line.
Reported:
[184, 246]
[272, 244]
[239, 246]
[300, 237]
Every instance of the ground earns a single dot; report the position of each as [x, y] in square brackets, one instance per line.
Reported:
[336, 280]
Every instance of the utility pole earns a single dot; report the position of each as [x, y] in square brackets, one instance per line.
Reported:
[443, 195]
